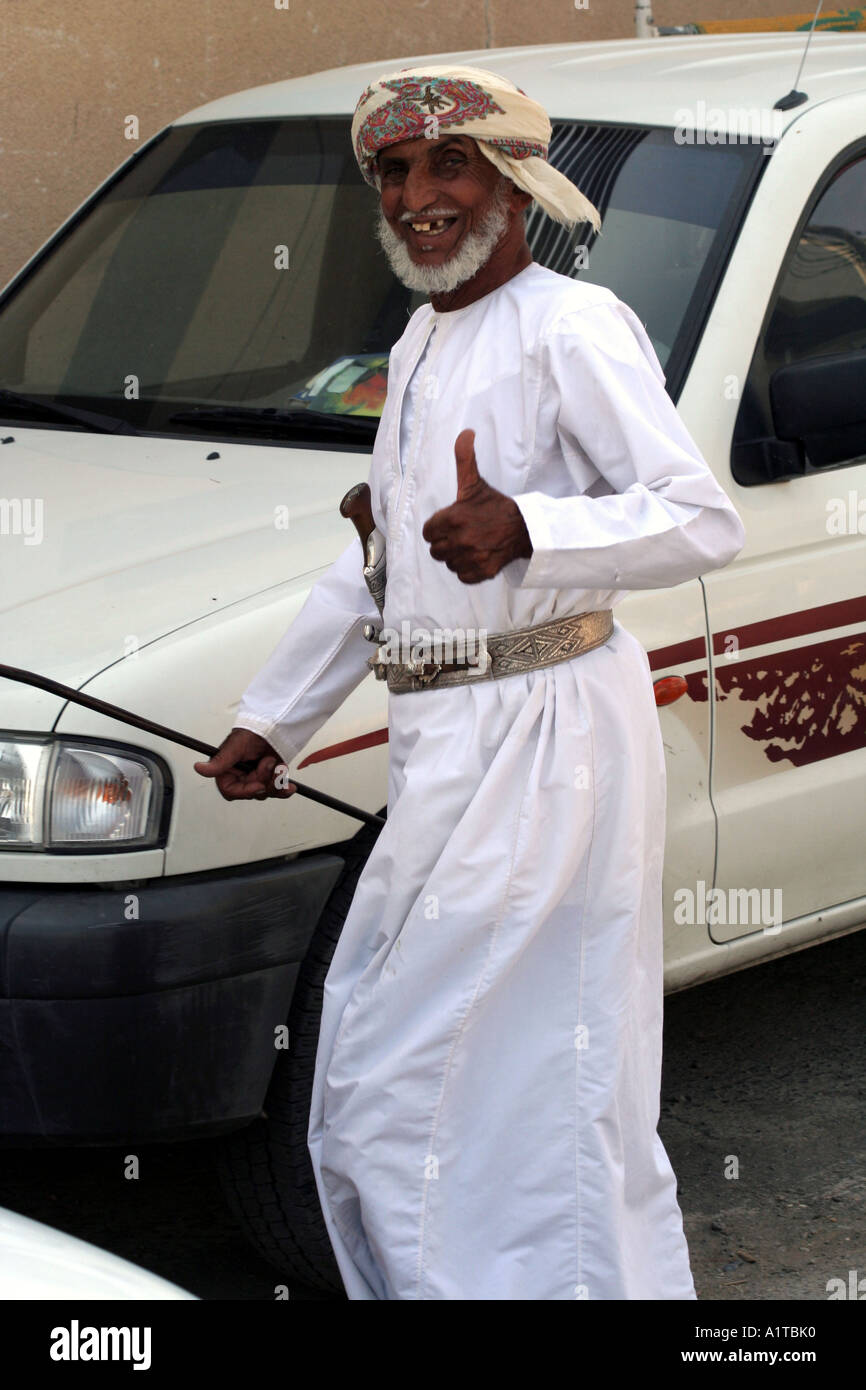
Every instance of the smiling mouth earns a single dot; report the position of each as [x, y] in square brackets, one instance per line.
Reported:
[425, 230]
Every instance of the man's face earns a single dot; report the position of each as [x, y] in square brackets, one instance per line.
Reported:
[447, 216]
[445, 185]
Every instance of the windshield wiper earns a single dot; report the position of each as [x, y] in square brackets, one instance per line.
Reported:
[301, 421]
[51, 410]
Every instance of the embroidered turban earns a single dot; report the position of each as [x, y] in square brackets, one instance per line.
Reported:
[512, 130]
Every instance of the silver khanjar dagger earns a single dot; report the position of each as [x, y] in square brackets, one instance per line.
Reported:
[357, 507]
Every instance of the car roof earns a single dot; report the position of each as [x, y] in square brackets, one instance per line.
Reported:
[634, 81]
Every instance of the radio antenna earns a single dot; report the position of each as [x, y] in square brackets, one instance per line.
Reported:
[795, 98]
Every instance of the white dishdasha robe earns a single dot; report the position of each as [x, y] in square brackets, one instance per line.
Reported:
[486, 1093]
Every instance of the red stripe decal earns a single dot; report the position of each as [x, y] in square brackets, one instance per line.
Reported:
[349, 745]
[694, 650]
[800, 705]
[799, 624]
[852, 610]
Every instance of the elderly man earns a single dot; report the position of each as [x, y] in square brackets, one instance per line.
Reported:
[486, 1094]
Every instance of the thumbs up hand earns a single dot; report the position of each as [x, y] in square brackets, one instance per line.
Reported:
[483, 530]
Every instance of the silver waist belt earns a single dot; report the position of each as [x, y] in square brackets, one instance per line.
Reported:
[499, 654]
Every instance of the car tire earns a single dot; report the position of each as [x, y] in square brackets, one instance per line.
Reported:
[265, 1169]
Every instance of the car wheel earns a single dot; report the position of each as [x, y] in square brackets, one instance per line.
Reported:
[265, 1169]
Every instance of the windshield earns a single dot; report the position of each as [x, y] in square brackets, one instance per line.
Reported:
[236, 265]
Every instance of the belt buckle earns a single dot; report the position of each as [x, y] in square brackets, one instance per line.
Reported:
[418, 676]
[378, 666]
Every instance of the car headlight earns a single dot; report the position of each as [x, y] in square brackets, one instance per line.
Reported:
[74, 793]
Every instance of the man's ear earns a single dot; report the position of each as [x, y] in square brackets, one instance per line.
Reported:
[518, 197]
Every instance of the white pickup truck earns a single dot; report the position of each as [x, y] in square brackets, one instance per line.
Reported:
[192, 371]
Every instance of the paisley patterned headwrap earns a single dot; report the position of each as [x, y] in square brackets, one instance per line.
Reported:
[512, 130]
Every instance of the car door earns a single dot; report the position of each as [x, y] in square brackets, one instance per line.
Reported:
[789, 626]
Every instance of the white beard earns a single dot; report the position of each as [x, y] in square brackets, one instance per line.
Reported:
[475, 251]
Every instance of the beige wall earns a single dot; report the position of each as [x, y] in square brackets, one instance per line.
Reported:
[71, 73]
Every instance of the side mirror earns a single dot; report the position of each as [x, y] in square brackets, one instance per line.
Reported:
[818, 417]
[821, 404]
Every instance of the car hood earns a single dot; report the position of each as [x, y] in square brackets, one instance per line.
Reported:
[122, 539]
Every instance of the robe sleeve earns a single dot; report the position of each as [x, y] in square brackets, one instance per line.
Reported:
[323, 654]
[317, 663]
[656, 516]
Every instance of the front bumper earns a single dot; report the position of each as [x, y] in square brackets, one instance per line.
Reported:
[149, 1012]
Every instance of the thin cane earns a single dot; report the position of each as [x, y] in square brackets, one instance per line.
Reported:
[14, 673]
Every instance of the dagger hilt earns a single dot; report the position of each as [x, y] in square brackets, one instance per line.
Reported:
[357, 507]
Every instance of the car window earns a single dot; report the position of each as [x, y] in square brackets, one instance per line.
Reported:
[236, 265]
[668, 207]
[818, 308]
[233, 264]
[821, 303]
